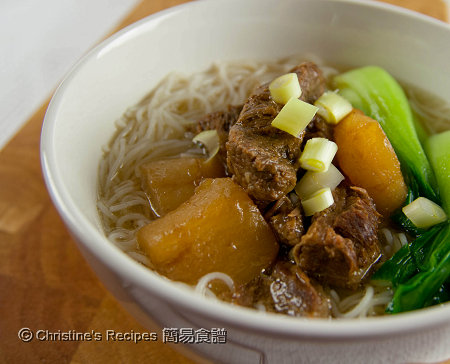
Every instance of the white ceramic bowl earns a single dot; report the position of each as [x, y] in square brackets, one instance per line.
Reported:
[119, 72]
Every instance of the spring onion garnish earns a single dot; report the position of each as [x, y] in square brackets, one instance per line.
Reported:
[283, 88]
[318, 201]
[209, 139]
[424, 213]
[333, 107]
[318, 154]
[294, 116]
[314, 181]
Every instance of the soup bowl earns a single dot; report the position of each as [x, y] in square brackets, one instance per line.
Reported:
[188, 38]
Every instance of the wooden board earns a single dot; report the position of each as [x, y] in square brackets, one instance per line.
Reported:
[44, 282]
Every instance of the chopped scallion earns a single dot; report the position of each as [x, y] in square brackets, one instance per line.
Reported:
[318, 201]
[285, 87]
[424, 213]
[333, 107]
[209, 139]
[314, 181]
[294, 116]
[318, 154]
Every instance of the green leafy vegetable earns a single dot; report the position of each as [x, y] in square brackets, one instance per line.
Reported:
[398, 269]
[419, 271]
[375, 92]
[419, 289]
[438, 151]
[442, 296]
[422, 134]
[403, 264]
[429, 256]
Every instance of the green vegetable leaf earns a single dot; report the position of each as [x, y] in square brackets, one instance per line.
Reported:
[436, 249]
[442, 296]
[438, 151]
[420, 289]
[405, 263]
[398, 269]
[419, 271]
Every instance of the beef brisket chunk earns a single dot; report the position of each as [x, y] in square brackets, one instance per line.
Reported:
[341, 244]
[221, 121]
[286, 290]
[286, 220]
[319, 128]
[311, 79]
[264, 165]
[261, 158]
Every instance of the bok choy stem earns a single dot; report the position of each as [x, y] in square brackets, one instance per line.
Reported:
[438, 151]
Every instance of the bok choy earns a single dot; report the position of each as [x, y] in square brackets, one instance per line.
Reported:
[420, 271]
[438, 151]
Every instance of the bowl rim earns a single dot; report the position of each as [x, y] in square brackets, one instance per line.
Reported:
[132, 272]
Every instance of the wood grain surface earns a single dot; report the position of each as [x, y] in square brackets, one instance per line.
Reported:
[44, 282]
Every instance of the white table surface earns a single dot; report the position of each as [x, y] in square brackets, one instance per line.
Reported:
[39, 42]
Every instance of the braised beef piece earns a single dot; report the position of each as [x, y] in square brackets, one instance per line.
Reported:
[261, 158]
[286, 290]
[319, 128]
[264, 165]
[311, 79]
[286, 220]
[220, 121]
[341, 244]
